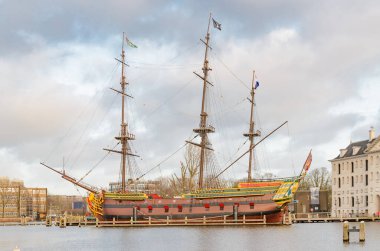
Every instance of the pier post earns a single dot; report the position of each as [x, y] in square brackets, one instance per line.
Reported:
[308, 218]
[244, 219]
[290, 218]
[97, 222]
[79, 221]
[204, 220]
[265, 219]
[113, 221]
[167, 220]
[346, 235]
[132, 220]
[48, 221]
[235, 213]
[185, 220]
[85, 221]
[362, 231]
[23, 221]
[150, 220]
[224, 219]
[135, 213]
[62, 222]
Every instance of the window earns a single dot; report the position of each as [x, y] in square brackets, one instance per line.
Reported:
[352, 181]
[366, 200]
[339, 169]
[352, 201]
[352, 167]
[366, 165]
[339, 201]
[339, 182]
[221, 206]
[366, 179]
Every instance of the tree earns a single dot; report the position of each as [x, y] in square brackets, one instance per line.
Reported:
[5, 194]
[319, 177]
[186, 182]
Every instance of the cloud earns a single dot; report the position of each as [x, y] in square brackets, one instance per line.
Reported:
[317, 64]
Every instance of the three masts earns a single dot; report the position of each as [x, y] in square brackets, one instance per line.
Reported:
[203, 130]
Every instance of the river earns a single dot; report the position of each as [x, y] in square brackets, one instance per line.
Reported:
[306, 236]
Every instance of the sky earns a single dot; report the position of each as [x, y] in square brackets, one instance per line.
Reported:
[318, 64]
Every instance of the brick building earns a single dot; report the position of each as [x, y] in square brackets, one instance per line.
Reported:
[16, 200]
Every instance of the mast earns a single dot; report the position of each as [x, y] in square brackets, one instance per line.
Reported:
[204, 129]
[124, 134]
[251, 134]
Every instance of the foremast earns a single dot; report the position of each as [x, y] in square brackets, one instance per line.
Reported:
[251, 134]
[204, 129]
[124, 136]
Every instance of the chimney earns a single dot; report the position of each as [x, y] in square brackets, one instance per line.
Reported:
[371, 133]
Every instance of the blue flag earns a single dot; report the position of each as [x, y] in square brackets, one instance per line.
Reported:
[257, 84]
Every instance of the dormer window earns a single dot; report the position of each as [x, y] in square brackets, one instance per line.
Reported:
[342, 152]
[355, 150]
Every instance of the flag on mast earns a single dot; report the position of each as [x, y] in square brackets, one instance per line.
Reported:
[217, 25]
[129, 43]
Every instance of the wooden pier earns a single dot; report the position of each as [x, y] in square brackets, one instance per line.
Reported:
[151, 222]
[326, 217]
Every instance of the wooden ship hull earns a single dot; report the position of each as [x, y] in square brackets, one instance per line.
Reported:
[192, 209]
[252, 201]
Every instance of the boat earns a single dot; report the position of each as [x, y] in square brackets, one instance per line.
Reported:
[253, 199]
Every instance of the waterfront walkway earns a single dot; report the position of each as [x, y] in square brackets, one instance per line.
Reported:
[326, 217]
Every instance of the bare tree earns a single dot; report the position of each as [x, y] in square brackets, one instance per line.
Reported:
[186, 182]
[5, 194]
[319, 177]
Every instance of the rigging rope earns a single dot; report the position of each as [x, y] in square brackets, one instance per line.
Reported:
[80, 115]
[158, 165]
[98, 163]
[230, 71]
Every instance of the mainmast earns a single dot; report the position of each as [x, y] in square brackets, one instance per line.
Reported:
[124, 134]
[204, 129]
[251, 134]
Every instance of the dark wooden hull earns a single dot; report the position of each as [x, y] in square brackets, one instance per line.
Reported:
[179, 208]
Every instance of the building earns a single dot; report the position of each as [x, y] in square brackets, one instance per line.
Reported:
[356, 178]
[71, 204]
[311, 201]
[16, 200]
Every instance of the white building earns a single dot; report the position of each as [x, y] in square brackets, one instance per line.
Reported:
[356, 178]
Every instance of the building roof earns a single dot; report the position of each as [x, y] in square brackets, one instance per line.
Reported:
[349, 153]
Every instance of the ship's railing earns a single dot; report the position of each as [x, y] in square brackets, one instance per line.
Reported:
[205, 221]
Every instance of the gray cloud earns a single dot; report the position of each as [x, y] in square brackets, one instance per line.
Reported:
[314, 62]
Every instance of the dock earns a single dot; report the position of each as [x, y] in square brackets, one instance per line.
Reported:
[326, 217]
[152, 222]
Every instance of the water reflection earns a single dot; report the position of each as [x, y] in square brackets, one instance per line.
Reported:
[314, 236]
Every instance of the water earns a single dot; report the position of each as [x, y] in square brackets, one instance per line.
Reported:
[313, 236]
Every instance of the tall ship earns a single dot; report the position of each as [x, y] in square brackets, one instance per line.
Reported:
[252, 199]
